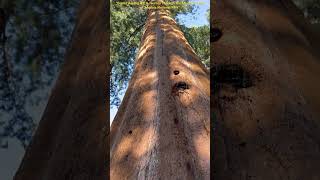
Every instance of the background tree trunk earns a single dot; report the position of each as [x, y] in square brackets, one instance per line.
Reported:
[266, 98]
[161, 130]
[71, 139]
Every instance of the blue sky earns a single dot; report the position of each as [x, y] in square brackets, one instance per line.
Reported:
[198, 19]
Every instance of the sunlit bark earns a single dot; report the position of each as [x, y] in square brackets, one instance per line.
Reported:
[161, 130]
[266, 70]
[71, 139]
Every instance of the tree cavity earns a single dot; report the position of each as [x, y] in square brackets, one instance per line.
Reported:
[231, 74]
[180, 87]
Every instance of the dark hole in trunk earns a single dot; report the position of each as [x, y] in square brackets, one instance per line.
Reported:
[243, 144]
[179, 87]
[176, 121]
[215, 34]
[188, 166]
[231, 74]
[126, 157]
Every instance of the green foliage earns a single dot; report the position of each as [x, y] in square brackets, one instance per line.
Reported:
[36, 26]
[187, 9]
[126, 29]
[199, 39]
[36, 35]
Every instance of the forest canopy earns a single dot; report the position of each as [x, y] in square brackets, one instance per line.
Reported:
[127, 24]
[34, 35]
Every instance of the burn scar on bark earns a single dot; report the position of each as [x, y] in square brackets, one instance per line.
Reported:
[233, 75]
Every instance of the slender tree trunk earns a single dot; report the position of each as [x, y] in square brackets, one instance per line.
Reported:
[266, 98]
[162, 130]
[71, 139]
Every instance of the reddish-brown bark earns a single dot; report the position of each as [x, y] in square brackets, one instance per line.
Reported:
[71, 139]
[162, 128]
[270, 128]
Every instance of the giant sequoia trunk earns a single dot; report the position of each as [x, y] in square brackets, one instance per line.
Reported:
[266, 98]
[161, 130]
[71, 139]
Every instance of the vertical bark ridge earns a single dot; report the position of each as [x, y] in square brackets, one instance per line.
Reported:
[176, 130]
[133, 131]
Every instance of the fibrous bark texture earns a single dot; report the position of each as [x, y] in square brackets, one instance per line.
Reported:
[266, 101]
[71, 139]
[162, 128]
